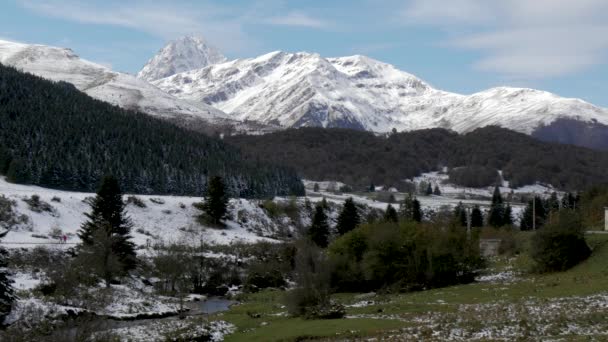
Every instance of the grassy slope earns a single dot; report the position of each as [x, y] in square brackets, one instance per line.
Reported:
[530, 306]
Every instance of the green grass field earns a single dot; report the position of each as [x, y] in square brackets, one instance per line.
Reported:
[571, 305]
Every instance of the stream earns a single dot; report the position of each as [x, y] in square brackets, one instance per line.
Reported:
[197, 308]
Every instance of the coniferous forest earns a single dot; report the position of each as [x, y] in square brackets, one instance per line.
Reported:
[361, 158]
[55, 136]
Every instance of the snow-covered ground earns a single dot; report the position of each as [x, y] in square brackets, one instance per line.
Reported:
[451, 190]
[165, 218]
[173, 218]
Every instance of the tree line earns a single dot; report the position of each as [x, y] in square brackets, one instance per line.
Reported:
[55, 136]
[363, 158]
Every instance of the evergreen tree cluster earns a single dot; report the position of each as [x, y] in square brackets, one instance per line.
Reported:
[55, 136]
[500, 214]
[7, 292]
[410, 209]
[539, 211]
[363, 158]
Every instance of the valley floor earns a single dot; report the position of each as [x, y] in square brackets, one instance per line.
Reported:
[506, 304]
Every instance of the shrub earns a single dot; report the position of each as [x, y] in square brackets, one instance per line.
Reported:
[474, 176]
[37, 205]
[8, 217]
[403, 257]
[560, 245]
[158, 201]
[261, 275]
[311, 298]
[55, 233]
[136, 201]
[56, 199]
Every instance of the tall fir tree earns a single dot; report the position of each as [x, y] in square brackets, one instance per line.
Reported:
[437, 191]
[406, 208]
[508, 216]
[460, 215]
[7, 293]
[476, 217]
[108, 212]
[535, 206]
[390, 215]
[216, 201]
[497, 211]
[349, 217]
[319, 229]
[553, 203]
[429, 189]
[416, 210]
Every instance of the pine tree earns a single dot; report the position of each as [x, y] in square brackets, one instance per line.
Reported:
[349, 217]
[372, 188]
[508, 216]
[429, 190]
[416, 210]
[553, 203]
[108, 211]
[390, 215]
[324, 203]
[527, 222]
[316, 187]
[216, 201]
[460, 214]
[319, 230]
[476, 217]
[496, 214]
[437, 192]
[7, 293]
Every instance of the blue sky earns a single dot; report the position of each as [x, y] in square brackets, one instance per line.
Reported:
[457, 45]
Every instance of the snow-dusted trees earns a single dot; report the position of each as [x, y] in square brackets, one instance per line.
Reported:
[216, 201]
[106, 234]
[7, 294]
[55, 136]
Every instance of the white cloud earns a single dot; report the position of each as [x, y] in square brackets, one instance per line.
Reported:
[522, 38]
[163, 21]
[222, 24]
[298, 19]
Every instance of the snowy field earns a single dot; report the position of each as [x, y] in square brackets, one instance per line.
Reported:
[165, 218]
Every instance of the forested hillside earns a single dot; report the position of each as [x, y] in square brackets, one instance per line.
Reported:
[362, 158]
[53, 135]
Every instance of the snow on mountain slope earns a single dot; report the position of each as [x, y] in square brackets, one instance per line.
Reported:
[184, 54]
[302, 89]
[59, 64]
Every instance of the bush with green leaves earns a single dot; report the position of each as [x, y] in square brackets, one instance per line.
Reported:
[311, 298]
[403, 257]
[560, 245]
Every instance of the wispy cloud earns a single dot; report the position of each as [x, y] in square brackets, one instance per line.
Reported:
[298, 19]
[222, 24]
[521, 38]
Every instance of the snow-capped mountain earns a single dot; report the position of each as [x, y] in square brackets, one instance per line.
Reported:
[184, 54]
[124, 90]
[303, 89]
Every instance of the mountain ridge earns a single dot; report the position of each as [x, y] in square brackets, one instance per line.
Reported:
[304, 89]
[183, 54]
